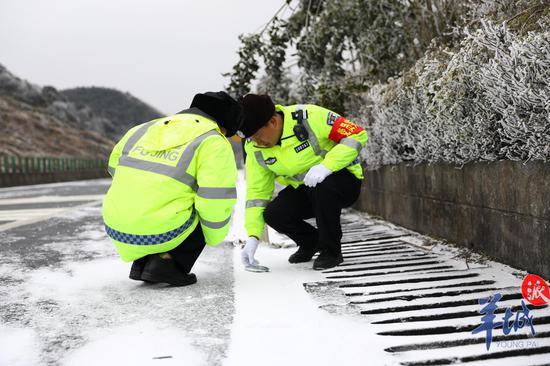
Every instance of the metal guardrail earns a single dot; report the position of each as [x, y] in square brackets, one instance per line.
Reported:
[26, 164]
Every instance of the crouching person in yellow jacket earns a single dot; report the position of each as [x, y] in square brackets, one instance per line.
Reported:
[173, 189]
[314, 153]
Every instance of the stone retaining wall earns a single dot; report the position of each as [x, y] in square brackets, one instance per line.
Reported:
[501, 209]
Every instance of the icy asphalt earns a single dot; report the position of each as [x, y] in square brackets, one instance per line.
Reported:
[65, 298]
[62, 287]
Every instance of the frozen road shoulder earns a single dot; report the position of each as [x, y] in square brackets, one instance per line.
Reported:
[278, 323]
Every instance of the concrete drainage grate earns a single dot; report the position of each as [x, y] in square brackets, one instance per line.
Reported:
[427, 300]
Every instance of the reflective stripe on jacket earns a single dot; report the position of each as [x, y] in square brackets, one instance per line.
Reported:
[168, 175]
[333, 141]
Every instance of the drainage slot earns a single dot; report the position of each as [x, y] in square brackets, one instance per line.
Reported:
[406, 258]
[368, 250]
[373, 245]
[385, 267]
[463, 342]
[369, 238]
[461, 314]
[387, 273]
[410, 280]
[450, 329]
[453, 285]
[423, 296]
[488, 356]
[440, 305]
[380, 254]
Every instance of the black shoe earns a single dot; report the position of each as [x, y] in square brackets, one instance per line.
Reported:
[302, 255]
[326, 261]
[164, 270]
[137, 268]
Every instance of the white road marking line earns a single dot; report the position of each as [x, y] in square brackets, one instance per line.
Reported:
[44, 199]
[22, 214]
[18, 223]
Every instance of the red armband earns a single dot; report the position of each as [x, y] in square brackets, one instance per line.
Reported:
[343, 128]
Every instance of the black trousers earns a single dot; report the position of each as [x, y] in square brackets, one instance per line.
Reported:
[286, 212]
[186, 254]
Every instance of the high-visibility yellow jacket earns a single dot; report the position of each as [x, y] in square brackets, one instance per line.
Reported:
[168, 175]
[333, 141]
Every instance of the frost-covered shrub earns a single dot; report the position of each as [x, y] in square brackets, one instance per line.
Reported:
[487, 100]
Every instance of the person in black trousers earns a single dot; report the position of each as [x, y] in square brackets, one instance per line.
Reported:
[287, 213]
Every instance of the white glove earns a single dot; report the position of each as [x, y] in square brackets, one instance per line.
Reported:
[247, 254]
[316, 174]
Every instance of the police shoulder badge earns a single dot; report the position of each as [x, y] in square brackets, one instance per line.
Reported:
[270, 161]
[331, 118]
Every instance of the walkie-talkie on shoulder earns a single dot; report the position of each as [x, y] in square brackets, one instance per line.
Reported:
[300, 130]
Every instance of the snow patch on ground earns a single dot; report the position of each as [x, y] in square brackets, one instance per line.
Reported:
[278, 323]
[92, 241]
[78, 280]
[89, 210]
[18, 346]
[74, 304]
[94, 310]
[141, 343]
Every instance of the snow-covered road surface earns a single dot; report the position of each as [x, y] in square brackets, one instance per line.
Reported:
[65, 298]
